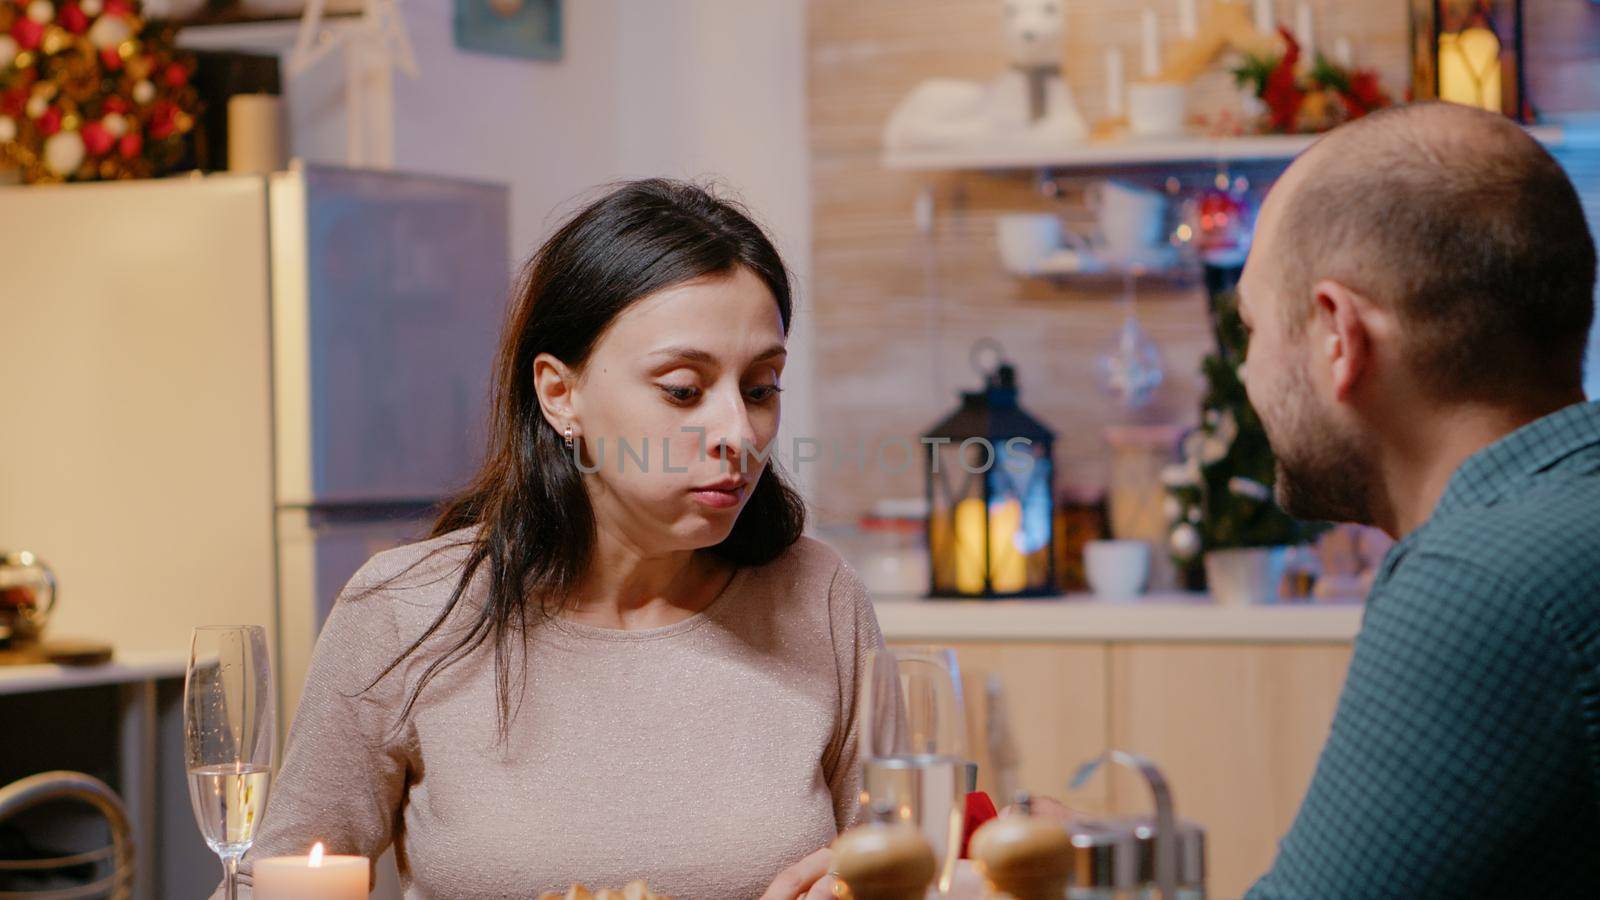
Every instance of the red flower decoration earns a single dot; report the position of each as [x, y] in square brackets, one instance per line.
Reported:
[130, 145]
[14, 102]
[163, 120]
[50, 122]
[1282, 96]
[73, 19]
[27, 33]
[1364, 95]
[96, 139]
[176, 75]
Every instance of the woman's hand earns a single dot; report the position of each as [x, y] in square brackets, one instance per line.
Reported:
[807, 879]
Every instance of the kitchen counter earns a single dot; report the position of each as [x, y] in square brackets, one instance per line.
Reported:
[1083, 618]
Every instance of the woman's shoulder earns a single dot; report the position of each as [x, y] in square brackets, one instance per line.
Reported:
[811, 570]
[412, 581]
[808, 559]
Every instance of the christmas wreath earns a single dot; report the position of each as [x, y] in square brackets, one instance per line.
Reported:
[91, 90]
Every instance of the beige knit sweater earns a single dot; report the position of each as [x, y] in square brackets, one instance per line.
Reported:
[704, 756]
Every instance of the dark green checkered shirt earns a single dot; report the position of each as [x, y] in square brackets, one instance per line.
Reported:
[1464, 759]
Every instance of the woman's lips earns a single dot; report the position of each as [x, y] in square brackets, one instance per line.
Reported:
[718, 498]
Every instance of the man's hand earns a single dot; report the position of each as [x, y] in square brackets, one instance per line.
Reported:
[807, 879]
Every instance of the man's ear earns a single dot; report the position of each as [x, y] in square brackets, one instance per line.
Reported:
[555, 383]
[1341, 334]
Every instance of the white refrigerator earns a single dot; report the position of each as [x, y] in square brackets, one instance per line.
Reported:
[223, 393]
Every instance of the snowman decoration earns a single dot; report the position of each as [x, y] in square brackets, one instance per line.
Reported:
[1029, 104]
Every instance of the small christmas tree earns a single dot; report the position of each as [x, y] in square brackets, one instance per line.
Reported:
[1220, 496]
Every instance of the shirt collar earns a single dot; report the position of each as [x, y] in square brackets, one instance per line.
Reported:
[1492, 472]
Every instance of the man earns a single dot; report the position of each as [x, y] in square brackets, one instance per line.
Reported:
[1419, 300]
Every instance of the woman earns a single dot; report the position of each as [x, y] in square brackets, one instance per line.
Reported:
[617, 658]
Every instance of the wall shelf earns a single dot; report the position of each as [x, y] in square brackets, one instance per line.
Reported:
[1132, 152]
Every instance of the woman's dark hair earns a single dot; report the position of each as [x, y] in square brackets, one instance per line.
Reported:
[535, 526]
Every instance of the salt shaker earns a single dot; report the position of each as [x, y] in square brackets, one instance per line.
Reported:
[884, 859]
[1024, 857]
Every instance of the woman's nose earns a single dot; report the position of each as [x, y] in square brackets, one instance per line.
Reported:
[732, 435]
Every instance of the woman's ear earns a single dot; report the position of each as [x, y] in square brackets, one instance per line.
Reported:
[555, 382]
[1345, 340]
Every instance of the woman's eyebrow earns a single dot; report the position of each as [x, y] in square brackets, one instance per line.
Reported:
[696, 355]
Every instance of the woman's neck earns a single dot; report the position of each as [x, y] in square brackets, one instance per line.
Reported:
[630, 589]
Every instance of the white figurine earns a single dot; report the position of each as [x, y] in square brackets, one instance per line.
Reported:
[1028, 105]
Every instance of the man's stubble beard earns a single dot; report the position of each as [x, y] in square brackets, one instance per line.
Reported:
[1323, 472]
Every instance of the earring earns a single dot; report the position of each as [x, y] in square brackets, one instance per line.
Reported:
[568, 437]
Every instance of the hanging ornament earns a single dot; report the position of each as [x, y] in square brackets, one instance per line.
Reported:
[1133, 369]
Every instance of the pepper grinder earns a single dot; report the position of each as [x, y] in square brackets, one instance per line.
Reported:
[884, 859]
[1023, 857]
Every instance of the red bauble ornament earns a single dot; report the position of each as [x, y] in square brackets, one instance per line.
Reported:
[117, 8]
[130, 145]
[111, 59]
[50, 122]
[163, 120]
[14, 102]
[72, 19]
[26, 32]
[115, 104]
[176, 75]
[96, 139]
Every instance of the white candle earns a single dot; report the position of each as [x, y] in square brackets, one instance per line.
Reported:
[1187, 24]
[1342, 52]
[313, 877]
[1303, 30]
[1151, 57]
[1114, 82]
[1266, 22]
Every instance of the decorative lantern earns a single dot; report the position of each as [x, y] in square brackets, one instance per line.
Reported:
[991, 496]
[1470, 52]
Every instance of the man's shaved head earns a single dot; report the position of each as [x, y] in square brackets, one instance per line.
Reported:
[1462, 224]
[1440, 239]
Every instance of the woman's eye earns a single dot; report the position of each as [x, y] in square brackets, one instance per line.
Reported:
[761, 393]
[679, 393]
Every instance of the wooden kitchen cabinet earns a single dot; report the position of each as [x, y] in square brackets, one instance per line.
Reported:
[1236, 726]
[1237, 729]
[1055, 697]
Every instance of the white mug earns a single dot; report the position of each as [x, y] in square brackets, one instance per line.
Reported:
[1130, 219]
[1027, 238]
[1157, 108]
[1117, 570]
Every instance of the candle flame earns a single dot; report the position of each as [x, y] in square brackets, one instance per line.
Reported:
[316, 855]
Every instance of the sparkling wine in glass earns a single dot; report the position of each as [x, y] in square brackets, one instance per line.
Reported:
[229, 730]
[914, 743]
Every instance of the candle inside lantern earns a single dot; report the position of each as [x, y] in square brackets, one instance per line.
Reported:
[313, 877]
[1007, 566]
[1469, 68]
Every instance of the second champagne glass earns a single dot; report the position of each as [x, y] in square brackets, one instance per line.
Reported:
[914, 744]
[229, 730]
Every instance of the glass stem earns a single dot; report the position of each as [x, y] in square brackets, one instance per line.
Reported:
[230, 877]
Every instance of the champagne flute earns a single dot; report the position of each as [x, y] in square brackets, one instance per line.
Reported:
[229, 731]
[914, 744]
